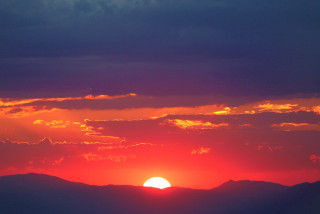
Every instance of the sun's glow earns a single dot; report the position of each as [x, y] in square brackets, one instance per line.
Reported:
[157, 182]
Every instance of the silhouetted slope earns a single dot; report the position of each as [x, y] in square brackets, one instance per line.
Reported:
[39, 179]
[251, 186]
[38, 193]
[304, 198]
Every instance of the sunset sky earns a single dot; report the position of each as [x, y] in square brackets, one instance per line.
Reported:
[198, 92]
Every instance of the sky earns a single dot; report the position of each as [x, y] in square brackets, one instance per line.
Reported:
[198, 92]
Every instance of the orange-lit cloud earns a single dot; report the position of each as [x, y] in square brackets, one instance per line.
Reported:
[6, 102]
[43, 141]
[16, 108]
[195, 124]
[98, 157]
[54, 123]
[109, 114]
[297, 126]
[278, 108]
[83, 127]
[246, 125]
[75, 111]
[225, 111]
[201, 151]
[86, 143]
[316, 109]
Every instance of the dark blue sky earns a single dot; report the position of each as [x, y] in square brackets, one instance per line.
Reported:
[169, 47]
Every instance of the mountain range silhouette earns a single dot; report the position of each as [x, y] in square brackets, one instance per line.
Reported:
[43, 194]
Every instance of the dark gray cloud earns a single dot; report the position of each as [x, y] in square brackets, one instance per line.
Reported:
[159, 47]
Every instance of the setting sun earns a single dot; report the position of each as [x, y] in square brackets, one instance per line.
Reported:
[157, 182]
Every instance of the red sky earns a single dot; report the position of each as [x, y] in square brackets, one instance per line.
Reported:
[96, 140]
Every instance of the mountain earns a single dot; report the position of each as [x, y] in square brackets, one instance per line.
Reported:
[39, 193]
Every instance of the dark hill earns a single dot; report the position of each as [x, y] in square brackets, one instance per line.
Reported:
[38, 193]
[245, 185]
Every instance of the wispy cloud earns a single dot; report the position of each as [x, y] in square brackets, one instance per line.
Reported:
[26, 111]
[195, 124]
[7, 102]
[297, 126]
[278, 108]
[270, 148]
[83, 127]
[99, 157]
[54, 123]
[201, 151]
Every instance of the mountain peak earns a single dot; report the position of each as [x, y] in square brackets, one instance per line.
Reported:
[249, 186]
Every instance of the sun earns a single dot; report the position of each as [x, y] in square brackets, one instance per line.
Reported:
[157, 182]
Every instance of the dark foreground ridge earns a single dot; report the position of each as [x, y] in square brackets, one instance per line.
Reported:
[44, 194]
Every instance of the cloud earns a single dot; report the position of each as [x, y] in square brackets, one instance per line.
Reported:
[84, 133]
[113, 144]
[316, 109]
[278, 108]
[49, 154]
[25, 111]
[9, 102]
[140, 140]
[132, 106]
[93, 157]
[98, 157]
[43, 154]
[120, 158]
[315, 158]
[297, 126]
[54, 123]
[269, 148]
[195, 124]
[201, 151]
[260, 123]
[246, 125]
